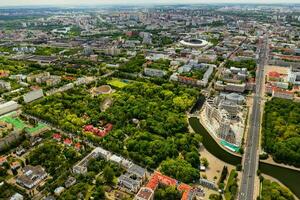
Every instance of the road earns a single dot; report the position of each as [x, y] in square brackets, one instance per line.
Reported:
[250, 160]
[209, 88]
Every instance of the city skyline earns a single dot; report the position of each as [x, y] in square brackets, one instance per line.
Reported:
[107, 2]
[150, 100]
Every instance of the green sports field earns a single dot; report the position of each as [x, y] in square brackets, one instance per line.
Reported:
[117, 83]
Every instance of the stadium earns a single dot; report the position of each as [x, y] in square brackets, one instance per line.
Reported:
[195, 43]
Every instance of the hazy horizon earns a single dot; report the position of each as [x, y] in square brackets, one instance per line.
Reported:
[121, 2]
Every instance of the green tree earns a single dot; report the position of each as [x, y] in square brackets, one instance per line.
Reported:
[272, 190]
[167, 193]
[204, 162]
[108, 174]
[180, 170]
[193, 159]
[99, 193]
[215, 197]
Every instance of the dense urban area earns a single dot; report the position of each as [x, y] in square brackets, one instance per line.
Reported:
[164, 102]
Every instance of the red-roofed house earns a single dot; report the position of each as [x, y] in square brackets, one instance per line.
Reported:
[146, 193]
[56, 136]
[280, 93]
[167, 180]
[186, 189]
[68, 142]
[187, 80]
[15, 165]
[89, 128]
[3, 160]
[107, 128]
[4, 73]
[77, 146]
[274, 76]
[153, 182]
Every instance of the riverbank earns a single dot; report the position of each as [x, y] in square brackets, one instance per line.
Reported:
[289, 177]
[212, 146]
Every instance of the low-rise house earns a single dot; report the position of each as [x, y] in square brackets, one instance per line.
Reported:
[32, 176]
[56, 136]
[145, 193]
[5, 85]
[68, 142]
[16, 196]
[3, 160]
[77, 146]
[274, 76]
[137, 171]
[279, 93]
[15, 165]
[20, 151]
[106, 129]
[59, 190]
[4, 73]
[129, 183]
[70, 181]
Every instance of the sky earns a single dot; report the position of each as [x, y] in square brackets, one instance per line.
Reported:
[91, 2]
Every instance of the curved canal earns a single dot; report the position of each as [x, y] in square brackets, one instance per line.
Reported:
[211, 145]
[288, 177]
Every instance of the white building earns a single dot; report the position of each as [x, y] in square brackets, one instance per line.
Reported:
[17, 196]
[224, 119]
[154, 72]
[32, 176]
[112, 51]
[33, 95]
[294, 75]
[8, 107]
[81, 166]
[5, 85]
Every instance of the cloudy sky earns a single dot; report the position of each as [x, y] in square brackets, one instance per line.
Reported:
[90, 2]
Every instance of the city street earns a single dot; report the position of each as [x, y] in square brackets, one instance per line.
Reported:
[250, 160]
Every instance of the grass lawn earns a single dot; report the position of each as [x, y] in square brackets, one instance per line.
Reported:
[117, 83]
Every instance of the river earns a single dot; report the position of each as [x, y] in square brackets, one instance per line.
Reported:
[289, 177]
